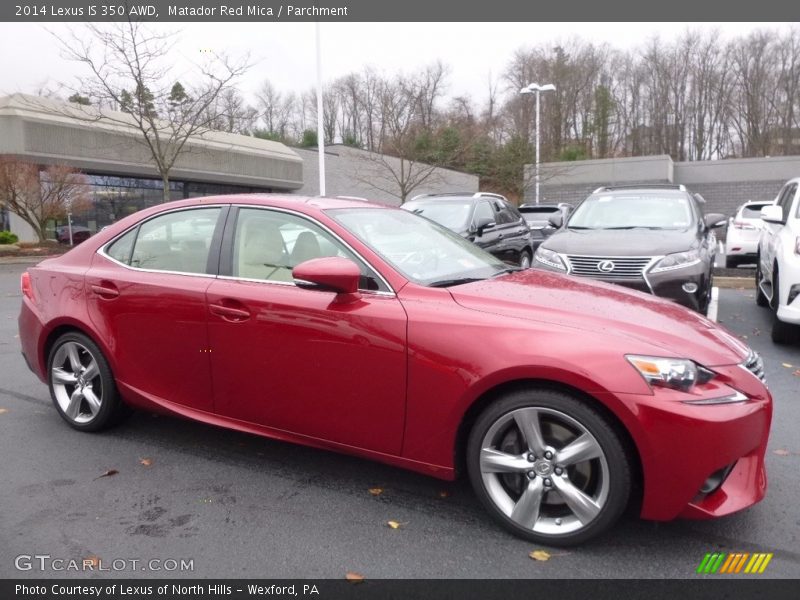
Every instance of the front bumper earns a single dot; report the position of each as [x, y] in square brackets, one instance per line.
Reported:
[665, 284]
[682, 446]
[789, 312]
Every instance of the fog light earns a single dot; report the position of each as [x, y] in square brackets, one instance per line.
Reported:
[690, 288]
[716, 479]
[793, 291]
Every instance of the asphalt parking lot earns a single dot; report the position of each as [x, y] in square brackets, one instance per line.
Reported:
[241, 506]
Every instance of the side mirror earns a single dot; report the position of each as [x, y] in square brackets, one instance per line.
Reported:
[556, 220]
[329, 274]
[714, 220]
[482, 224]
[772, 214]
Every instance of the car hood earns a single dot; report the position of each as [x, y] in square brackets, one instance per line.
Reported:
[621, 242]
[607, 309]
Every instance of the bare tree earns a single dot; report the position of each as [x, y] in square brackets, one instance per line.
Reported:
[132, 83]
[37, 195]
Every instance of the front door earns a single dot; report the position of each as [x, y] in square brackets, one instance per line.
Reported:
[296, 359]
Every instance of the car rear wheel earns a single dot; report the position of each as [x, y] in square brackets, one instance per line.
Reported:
[548, 467]
[525, 260]
[81, 384]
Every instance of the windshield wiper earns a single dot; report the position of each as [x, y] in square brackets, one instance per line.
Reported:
[579, 227]
[507, 270]
[456, 281]
[634, 227]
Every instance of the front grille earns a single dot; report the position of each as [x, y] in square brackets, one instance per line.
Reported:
[622, 267]
[755, 364]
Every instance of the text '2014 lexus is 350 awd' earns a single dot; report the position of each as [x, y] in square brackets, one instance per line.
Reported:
[369, 330]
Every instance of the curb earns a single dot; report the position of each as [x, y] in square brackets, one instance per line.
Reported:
[21, 260]
[747, 283]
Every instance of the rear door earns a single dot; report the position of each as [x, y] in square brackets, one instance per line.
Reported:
[146, 295]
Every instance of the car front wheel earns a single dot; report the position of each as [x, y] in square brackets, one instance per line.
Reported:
[761, 299]
[81, 384]
[548, 467]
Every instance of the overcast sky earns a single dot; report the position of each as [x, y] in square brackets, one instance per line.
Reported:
[285, 52]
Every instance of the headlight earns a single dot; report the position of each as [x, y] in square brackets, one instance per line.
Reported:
[549, 258]
[678, 260]
[676, 373]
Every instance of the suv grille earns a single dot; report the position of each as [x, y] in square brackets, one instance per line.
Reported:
[755, 364]
[611, 267]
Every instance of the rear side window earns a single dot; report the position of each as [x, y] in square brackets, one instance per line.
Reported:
[177, 241]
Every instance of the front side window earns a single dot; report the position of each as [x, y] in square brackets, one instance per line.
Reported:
[268, 244]
[484, 211]
[177, 241]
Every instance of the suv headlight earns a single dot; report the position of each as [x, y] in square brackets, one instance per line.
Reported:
[676, 373]
[679, 260]
[549, 258]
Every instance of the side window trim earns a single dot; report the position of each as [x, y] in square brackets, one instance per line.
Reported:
[103, 250]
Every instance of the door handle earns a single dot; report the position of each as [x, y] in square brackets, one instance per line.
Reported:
[105, 290]
[228, 313]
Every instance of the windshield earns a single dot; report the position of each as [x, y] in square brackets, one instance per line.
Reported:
[421, 250]
[632, 211]
[453, 214]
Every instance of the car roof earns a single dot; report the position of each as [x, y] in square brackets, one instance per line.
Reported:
[278, 201]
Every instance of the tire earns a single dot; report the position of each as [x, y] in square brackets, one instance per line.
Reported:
[88, 401]
[784, 333]
[525, 259]
[761, 299]
[705, 302]
[505, 467]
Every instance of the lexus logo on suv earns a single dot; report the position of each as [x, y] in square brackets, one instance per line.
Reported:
[605, 266]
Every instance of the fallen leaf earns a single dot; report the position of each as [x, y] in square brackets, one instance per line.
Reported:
[781, 452]
[744, 337]
[394, 524]
[796, 373]
[146, 461]
[539, 555]
[108, 473]
[353, 577]
[91, 561]
[375, 491]
[787, 365]
[444, 494]
[3, 411]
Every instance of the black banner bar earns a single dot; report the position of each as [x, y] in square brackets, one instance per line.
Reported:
[395, 11]
[748, 587]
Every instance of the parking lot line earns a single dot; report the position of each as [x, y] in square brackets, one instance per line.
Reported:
[714, 304]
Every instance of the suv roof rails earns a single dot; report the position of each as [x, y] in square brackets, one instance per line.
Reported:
[646, 186]
[462, 195]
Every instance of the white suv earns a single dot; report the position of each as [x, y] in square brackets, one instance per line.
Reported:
[778, 265]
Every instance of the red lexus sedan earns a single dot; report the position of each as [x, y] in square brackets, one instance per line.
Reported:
[369, 330]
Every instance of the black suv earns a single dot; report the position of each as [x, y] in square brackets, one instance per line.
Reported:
[651, 238]
[538, 218]
[488, 220]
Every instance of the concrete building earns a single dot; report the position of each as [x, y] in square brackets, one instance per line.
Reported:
[353, 172]
[121, 176]
[725, 184]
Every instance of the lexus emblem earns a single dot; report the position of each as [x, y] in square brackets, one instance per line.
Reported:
[605, 266]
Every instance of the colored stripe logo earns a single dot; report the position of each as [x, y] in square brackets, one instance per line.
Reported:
[715, 563]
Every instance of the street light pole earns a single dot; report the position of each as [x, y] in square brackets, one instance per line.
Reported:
[536, 88]
[320, 128]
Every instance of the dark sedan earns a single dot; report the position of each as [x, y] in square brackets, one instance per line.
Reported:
[652, 239]
[537, 216]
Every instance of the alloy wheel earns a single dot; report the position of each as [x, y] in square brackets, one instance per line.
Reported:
[544, 470]
[76, 382]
